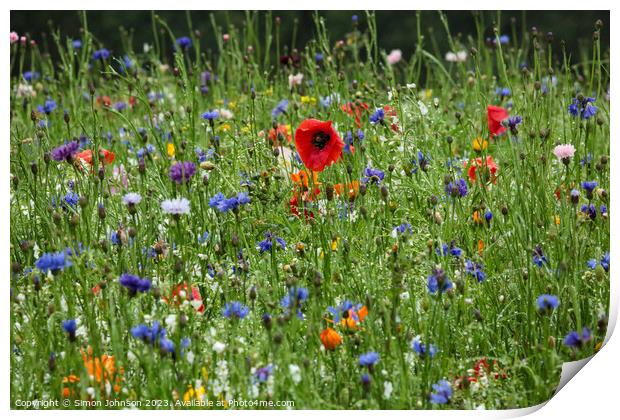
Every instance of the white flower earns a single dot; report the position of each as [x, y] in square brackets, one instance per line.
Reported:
[458, 57]
[387, 389]
[225, 114]
[295, 372]
[295, 80]
[218, 347]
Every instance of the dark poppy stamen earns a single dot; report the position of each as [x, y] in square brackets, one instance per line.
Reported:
[320, 139]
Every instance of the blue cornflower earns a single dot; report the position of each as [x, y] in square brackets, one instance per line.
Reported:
[295, 298]
[76, 44]
[422, 349]
[502, 92]
[438, 281]
[345, 310]
[504, 39]
[318, 57]
[71, 199]
[582, 107]
[514, 121]
[369, 359]
[266, 245]
[589, 186]
[348, 142]
[30, 76]
[378, 116]
[488, 216]
[402, 229]
[443, 392]
[589, 210]
[70, 327]
[475, 270]
[223, 204]
[235, 310]
[102, 54]
[53, 261]
[329, 99]
[446, 250]
[604, 262]
[457, 189]
[210, 115]
[547, 303]
[262, 374]
[374, 176]
[184, 42]
[65, 151]
[153, 335]
[47, 107]
[573, 339]
[279, 109]
[203, 238]
[134, 284]
[422, 162]
[539, 257]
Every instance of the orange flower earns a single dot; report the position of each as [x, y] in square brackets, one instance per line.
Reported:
[279, 133]
[355, 316]
[352, 187]
[104, 155]
[101, 370]
[301, 178]
[192, 295]
[477, 218]
[330, 338]
[488, 169]
[67, 390]
[105, 100]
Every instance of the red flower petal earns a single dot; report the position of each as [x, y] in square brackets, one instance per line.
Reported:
[496, 114]
[318, 144]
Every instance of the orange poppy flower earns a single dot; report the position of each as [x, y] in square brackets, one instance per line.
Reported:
[353, 189]
[488, 167]
[495, 115]
[101, 370]
[279, 133]
[318, 144]
[330, 338]
[301, 178]
[354, 318]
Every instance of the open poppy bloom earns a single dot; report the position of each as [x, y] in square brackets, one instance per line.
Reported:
[302, 179]
[355, 109]
[101, 370]
[496, 114]
[356, 315]
[105, 156]
[488, 169]
[104, 100]
[330, 338]
[280, 133]
[184, 292]
[352, 188]
[306, 198]
[318, 144]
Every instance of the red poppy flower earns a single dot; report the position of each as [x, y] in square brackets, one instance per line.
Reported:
[279, 133]
[318, 144]
[105, 100]
[391, 116]
[87, 156]
[355, 109]
[193, 295]
[488, 168]
[496, 114]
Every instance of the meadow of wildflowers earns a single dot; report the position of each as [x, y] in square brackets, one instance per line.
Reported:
[332, 225]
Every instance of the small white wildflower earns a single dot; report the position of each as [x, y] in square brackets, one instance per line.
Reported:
[295, 372]
[219, 347]
[387, 389]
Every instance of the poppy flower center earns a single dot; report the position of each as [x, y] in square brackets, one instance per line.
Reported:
[320, 139]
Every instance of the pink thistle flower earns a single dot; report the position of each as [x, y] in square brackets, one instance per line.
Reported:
[14, 37]
[394, 57]
[564, 152]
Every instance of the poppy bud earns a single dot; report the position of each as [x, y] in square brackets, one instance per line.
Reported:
[82, 201]
[478, 315]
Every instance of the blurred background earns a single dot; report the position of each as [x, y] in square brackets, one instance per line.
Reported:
[396, 29]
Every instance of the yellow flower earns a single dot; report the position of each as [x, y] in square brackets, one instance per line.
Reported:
[479, 144]
[232, 105]
[225, 127]
[428, 93]
[170, 149]
[557, 219]
[308, 100]
[192, 394]
[334, 246]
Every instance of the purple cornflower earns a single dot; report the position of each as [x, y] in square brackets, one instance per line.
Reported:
[134, 284]
[181, 172]
[262, 374]
[131, 199]
[589, 210]
[102, 54]
[589, 186]
[421, 162]
[279, 109]
[369, 359]
[582, 107]
[65, 151]
[475, 270]
[235, 310]
[457, 189]
[184, 42]
[513, 122]
[374, 176]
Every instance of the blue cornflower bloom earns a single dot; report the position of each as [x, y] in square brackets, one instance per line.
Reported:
[446, 250]
[369, 359]
[402, 229]
[514, 121]
[203, 238]
[422, 349]
[582, 107]
[374, 176]
[119, 106]
[318, 57]
[502, 92]
[348, 142]
[153, 335]
[457, 189]
[378, 116]
[71, 199]
[475, 270]
[223, 204]
[438, 281]
[47, 107]
[262, 374]
[134, 284]
[539, 257]
[266, 245]
[504, 39]
[76, 44]
[547, 303]
[443, 392]
[53, 261]
[422, 162]
[235, 310]
[70, 327]
[295, 298]
[604, 262]
[31, 76]
[210, 115]
[102, 54]
[184, 42]
[573, 339]
[329, 99]
[589, 210]
[279, 109]
[589, 186]
[488, 216]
